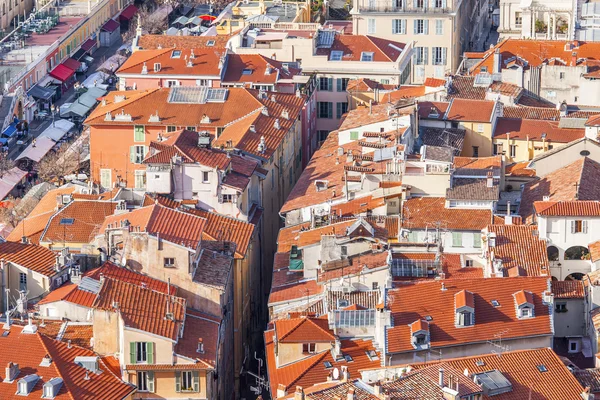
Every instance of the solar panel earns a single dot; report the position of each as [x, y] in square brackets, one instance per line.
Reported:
[216, 95]
[483, 80]
[89, 285]
[67, 221]
[325, 39]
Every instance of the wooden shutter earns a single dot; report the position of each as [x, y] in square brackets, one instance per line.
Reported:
[584, 226]
[132, 154]
[132, 354]
[196, 379]
[150, 352]
[330, 84]
[573, 223]
[339, 84]
[150, 381]
[178, 381]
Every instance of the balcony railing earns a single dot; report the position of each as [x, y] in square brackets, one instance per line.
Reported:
[384, 8]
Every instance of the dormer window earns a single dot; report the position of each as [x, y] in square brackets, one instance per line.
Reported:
[419, 331]
[524, 304]
[366, 56]
[464, 308]
[309, 348]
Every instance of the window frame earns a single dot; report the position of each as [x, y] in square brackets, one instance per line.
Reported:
[205, 176]
[187, 375]
[309, 348]
[169, 265]
[141, 349]
[139, 130]
[142, 378]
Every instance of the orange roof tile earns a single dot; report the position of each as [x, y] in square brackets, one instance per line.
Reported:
[303, 330]
[594, 251]
[427, 107]
[367, 85]
[70, 293]
[79, 334]
[297, 290]
[464, 298]
[142, 308]
[551, 114]
[33, 257]
[433, 82]
[423, 298]
[470, 110]
[403, 92]
[568, 289]
[477, 163]
[523, 297]
[419, 325]
[354, 45]
[519, 246]
[422, 212]
[521, 129]
[579, 180]
[575, 208]
[184, 143]
[184, 42]
[199, 326]
[110, 270]
[252, 68]
[519, 169]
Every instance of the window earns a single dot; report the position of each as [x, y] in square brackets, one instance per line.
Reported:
[190, 128]
[142, 381]
[171, 83]
[322, 135]
[375, 285]
[475, 151]
[227, 198]
[552, 253]
[371, 27]
[457, 239]
[575, 99]
[578, 226]
[477, 240]
[325, 84]
[325, 109]
[480, 128]
[419, 3]
[140, 180]
[421, 339]
[22, 281]
[399, 3]
[399, 26]
[421, 26]
[187, 381]
[439, 3]
[498, 149]
[341, 109]
[573, 347]
[526, 312]
[308, 348]
[420, 56]
[342, 84]
[171, 128]
[438, 55]
[439, 26]
[137, 154]
[205, 176]
[562, 75]
[176, 54]
[366, 56]
[139, 133]
[354, 135]
[141, 352]
[513, 150]
[518, 19]
[464, 318]
[468, 263]
[561, 307]
[577, 253]
[203, 82]
[344, 250]
[336, 55]
[105, 178]
[169, 262]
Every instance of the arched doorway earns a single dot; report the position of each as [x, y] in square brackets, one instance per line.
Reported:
[577, 253]
[552, 253]
[575, 276]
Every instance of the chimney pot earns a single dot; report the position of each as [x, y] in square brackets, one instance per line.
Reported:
[441, 378]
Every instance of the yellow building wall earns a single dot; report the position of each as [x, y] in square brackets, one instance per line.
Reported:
[291, 352]
[106, 332]
[475, 136]
[163, 348]
[525, 150]
[37, 284]
[164, 387]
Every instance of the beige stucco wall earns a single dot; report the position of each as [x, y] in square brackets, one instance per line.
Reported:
[292, 352]
[107, 334]
[474, 137]
[164, 387]
[37, 284]
[163, 347]
[64, 309]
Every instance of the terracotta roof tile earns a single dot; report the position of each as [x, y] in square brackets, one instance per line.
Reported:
[366, 85]
[354, 265]
[579, 180]
[423, 212]
[594, 251]
[364, 115]
[412, 301]
[79, 334]
[470, 110]
[589, 378]
[473, 189]
[433, 109]
[580, 208]
[297, 290]
[519, 169]
[463, 88]
[433, 82]
[353, 45]
[568, 289]
[142, 308]
[110, 270]
[214, 269]
[30, 256]
[199, 326]
[303, 330]
[477, 163]
[519, 246]
[238, 66]
[403, 92]
[195, 42]
[551, 114]
[184, 143]
[531, 101]
[520, 129]
[70, 293]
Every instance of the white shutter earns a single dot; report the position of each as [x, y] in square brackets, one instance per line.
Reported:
[444, 54]
[403, 26]
[426, 27]
[584, 226]
[572, 226]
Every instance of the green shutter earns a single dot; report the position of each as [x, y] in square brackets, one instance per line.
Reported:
[132, 154]
[150, 382]
[138, 133]
[178, 381]
[456, 239]
[150, 352]
[477, 240]
[330, 84]
[339, 84]
[196, 376]
[354, 135]
[132, 352]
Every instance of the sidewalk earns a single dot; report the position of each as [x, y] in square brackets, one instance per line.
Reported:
[37, 127]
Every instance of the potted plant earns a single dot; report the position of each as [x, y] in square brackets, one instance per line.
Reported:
[541, 26]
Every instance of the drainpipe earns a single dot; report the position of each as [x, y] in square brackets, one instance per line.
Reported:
[3, 286]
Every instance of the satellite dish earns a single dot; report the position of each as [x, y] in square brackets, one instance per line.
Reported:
[336, 374]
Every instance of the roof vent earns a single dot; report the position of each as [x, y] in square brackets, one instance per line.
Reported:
[115, 304]
[154, 117]
[268, 69]
[252, 128]
[119, 98]
[265, 111]
[276, 124]
[204, 139]
[546, 198]
[156, 67]
[189, 63]
[192, 56]
[262, 146]
[52, 387]
[144, 69]
[46, 361]
[104, 102]
[123, 117]
[205, 119]
[108, 117]
[12, 371]
[321, 185]
[89, 363]
[200, 348]
[285, 114]
[273, 98]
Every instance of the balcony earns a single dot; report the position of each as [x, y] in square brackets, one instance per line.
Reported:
[386, 7]
[415, 268]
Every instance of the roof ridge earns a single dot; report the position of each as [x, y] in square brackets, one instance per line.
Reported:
[136, 96]
[159, 52]
[52, 218]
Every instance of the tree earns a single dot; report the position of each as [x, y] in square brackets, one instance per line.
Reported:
[15, 210]
[6, 164]
[55, 165]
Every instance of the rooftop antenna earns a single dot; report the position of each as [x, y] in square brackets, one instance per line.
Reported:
[497, 347]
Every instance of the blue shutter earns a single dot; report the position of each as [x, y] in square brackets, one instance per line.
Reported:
[330, 84]
[426, 26]
[416, 26]
[329, 110]
[338, 110]
[339, 84]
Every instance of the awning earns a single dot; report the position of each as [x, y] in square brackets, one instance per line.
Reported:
[72, 64]
[62, 73]
[88, 44]
[87, 100]
[41, 93]
[110, 26]
[53, 133]
[78, 55]
[9, 180]
[3, 141]
[95, 92]
[128, 13]
[35, 153]
[95, 80]
[75, 110]
[10, 130]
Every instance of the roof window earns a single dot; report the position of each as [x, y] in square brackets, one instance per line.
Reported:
[348, 358]
[328, 365]
[210, 43]
[366, 56]
[247, 71]
[176, 54]
[51, 388]
[495, 303]
[542, 368]
[493, 382]
[336, 55]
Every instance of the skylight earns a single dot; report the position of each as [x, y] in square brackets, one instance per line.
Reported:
[328, 364]
[210, 43]
[479, 363]
[542, 368]
[247, 71]
[495, 303]
[176, 54]
[336, 55]
[348, 358]
[428, 318]
[66, 221]
[366, 56]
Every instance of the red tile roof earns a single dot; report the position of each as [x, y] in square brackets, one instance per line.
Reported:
[303, 330]
[521, 369]
[422, 212]
[520, 248]
[199, 326]
[579, 180]
[33, 257]
[425, 108]
[568, 289]
[353, 45]
[403, 92]
[367, 85]
[412, 301]
[27, 350]
[521, 129]
[519, 169]
[172, 225]
[70, 293]
[568, 208]
[141, 308]
[184, 143]
[238, 66]
[594, 251]
[184, 42]
[477, 163]
[470, 110]
[110, 270]
[298, 290]
[551, 114]
[433, 82]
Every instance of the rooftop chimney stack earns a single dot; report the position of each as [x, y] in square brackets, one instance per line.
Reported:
[441, 378]
[497, 62]
[299, 393]
[350, 395]
[345, 374]
[12, 371]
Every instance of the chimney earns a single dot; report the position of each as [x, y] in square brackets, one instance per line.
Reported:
[345, 374]
[441, 378]
[12, 371]
[377, 389]
[490, 179]
[200, 346]
[299, 393]
[350, 395]
[497, 62]
[69, 344]
[573, 59]
[24, 240]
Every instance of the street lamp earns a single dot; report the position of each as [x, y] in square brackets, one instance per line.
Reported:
[53, 111]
